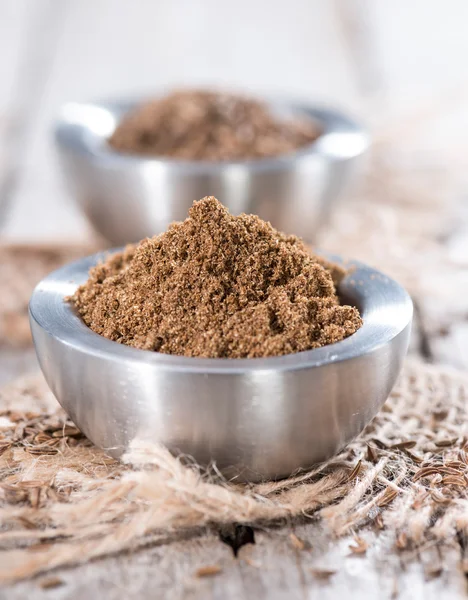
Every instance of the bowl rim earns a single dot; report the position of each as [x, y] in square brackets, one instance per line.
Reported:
[385, 306]
[83, 128]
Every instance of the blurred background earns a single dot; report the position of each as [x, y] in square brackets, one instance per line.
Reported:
[378, 60]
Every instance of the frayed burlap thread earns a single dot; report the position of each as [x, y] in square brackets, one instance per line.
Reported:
[63, 501]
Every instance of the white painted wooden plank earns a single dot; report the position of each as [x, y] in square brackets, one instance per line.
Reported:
[33, 55]
[357, 26]
[271, 569]
[13, 22]
[14, 363]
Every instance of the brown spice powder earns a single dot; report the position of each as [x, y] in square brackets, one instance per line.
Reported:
[202, 125]
[217, 286]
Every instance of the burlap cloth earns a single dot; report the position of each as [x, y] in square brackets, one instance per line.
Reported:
[21, 267]
[62, 501]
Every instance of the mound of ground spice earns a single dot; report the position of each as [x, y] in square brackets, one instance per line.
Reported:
[215, 286]
[203, 125]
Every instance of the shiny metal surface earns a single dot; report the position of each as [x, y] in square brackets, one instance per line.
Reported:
[255, 418]
[127, 197]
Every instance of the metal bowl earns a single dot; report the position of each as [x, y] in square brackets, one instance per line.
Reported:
[255, 418]
[128, 197]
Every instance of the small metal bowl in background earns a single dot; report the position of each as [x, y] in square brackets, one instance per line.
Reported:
[129, 197]
[255, 418]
